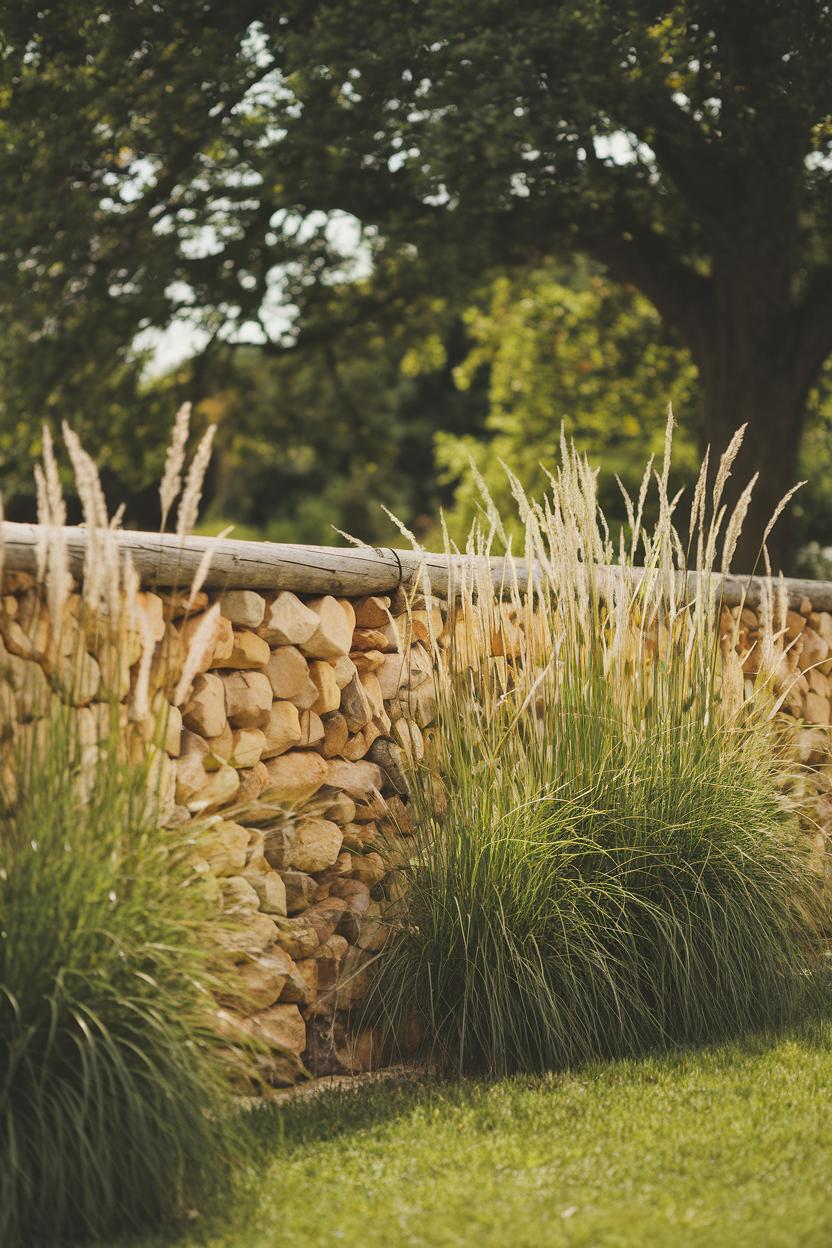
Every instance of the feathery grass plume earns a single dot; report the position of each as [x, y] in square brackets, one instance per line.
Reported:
[171, 482]
[615, 869]
[115, 1111]
[204, 567]
[192, 494]
[201, 644]
[55, 572]
[2, 540]
[97, 566]
[141, 699]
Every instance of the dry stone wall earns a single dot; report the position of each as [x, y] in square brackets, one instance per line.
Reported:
[309, 704]
[301, 705]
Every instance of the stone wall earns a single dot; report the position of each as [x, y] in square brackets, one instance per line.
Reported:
[297, 705]
[307, 705]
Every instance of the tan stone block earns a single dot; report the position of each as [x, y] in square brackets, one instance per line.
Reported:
[368, 868]
[177, 604]
[238, 895]
[344, 669]
[297, 936]
[251, 935]
[281, 1027]
[392, 759]
[329, 695]
[367, 660]
[818, 683]
[302, 986]
[200, 790]
[384, 639]
[353, 980]
[311, 731]
[392, 675]
[204, 712]
[795, 624]
[336, 734]
[288, 672]
[307, 697]
[261, 980]
[248, 698]
[333, 635]
[295, 776]
[359, 744]
[221, 641]
[325, 916]
[347, 606]
[28, 640]
[374, 929]
[816, 709]
[282, 730]
[220, 748]
[170, 729]
[223, 846]
[287, 621]
[248, 653]
[416, 704]
[372, 611]
[339, 807]
[329, 958]
[76, 677]
[247, 745]
[270, 890]
[361, 780]
[301, 890]
[355, 705]
[408, 734]
[372, 689]
[165, 669]
[24, 690]
[151, 611]
[814, 649]
[243, 607]
[315, 845]
[821, 622]
[253, 782]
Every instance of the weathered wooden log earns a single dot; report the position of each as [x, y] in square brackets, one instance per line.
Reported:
[167, 561]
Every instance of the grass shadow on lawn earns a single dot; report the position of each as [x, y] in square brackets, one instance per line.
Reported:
[726, 1145]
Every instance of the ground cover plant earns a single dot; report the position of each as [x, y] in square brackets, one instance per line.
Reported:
[616, 868]
[725, 1147]
[115, 1094]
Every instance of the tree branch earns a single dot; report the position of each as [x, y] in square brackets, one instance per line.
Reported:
[642, 258]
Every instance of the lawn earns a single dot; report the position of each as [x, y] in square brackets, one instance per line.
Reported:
[726, 1146]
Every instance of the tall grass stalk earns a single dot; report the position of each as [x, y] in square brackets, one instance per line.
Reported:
[616, 868]
[115, 1088]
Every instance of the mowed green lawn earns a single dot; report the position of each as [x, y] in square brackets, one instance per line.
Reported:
[724, 1146]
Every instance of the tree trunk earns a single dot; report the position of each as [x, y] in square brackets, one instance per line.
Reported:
[753, 380]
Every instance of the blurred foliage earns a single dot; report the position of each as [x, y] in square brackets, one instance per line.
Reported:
[246, 166]
[569, 350]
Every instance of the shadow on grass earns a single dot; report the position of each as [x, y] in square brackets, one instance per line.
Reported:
[283, 1130]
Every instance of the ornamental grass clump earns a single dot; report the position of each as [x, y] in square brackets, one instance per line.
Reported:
[115, 1088]
[616, 868]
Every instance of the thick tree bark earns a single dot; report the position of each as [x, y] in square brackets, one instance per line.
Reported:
[755, 380]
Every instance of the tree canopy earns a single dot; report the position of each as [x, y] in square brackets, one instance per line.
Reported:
[233, 162]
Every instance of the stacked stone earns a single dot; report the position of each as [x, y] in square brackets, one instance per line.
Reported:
[804, 680]
[285, 761]
[306, 706]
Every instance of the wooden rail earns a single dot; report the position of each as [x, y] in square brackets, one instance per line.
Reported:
[167, 561]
